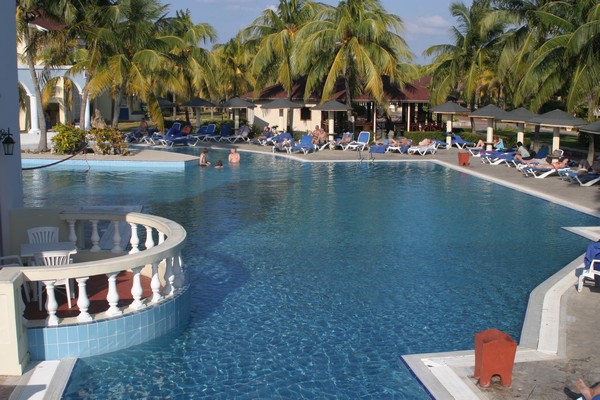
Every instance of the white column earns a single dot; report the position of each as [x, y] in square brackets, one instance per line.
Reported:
[520, 132]
[250, 112]
[330, 124]
[83, 301]
[116, 238]
[449, 131]
[137, 290]
[95, 236]
[87, 123]
[169, 277]
[33, 114]
[555, 138]
[135, 240]
[149, 239]
[490, 133]
[51, 304]
[155, 284]
[112, 297]
[408, 117]
[236, 119]
[197, 110]
[178, 273]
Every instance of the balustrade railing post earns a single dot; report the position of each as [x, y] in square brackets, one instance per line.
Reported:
[155, 284]
[72, 234]
[149, 239]
[169, 277]
[179, 278]
[83, 301]
[112, 297]
[161, 237]
[135, 240]
[117, 238]
[95, 236]
[136, 289]
[51, 304]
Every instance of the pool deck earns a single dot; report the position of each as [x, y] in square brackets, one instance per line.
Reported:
[555, 349]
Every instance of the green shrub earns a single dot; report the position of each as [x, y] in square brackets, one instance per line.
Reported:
[68, 140]
[108, 141]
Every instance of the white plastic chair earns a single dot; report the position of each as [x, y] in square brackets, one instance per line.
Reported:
[43, 234]
[55, 258]
[588, 273]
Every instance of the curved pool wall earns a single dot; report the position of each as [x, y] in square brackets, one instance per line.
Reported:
[312, 280]
[113, 334]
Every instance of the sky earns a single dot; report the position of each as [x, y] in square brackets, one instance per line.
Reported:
[426, 22]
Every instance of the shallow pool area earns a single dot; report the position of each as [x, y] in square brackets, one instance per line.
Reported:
[310, 280]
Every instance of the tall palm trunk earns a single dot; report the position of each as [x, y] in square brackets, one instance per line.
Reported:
[43, 143]
[117, 104]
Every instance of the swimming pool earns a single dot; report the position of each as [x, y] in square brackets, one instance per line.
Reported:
[310, 280]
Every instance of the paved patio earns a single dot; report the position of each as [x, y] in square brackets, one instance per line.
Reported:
[551, 378]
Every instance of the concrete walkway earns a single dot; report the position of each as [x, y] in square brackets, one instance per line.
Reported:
[568, 319]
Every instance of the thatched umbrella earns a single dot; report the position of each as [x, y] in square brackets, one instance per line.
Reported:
[449, 108]
[196, 103]
[283, 104]
[331, 106]
[557, 119]
[490, 113]
[593, 129]
[236, 104]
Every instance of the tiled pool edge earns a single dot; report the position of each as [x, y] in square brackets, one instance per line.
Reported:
[111, 164]
[109, 335]
[543, 337]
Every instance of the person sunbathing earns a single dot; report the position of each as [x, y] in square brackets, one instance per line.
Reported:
[588, 392]
[425, 142]
[560, 163]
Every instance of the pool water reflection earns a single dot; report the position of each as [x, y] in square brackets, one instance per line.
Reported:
[310, 280]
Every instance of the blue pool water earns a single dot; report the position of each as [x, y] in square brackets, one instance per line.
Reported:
[310, 280]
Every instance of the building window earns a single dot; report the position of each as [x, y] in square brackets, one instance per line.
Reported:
[305, 113]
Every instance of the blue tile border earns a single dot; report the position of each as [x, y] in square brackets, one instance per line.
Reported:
[108, 335]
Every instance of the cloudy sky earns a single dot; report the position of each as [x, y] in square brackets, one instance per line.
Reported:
[427, 22]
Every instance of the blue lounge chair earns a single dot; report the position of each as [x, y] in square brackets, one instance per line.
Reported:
[174, 136]
[587, 179]
[305, 146]
[283, 142]
[591, 264]
[460, 142]
[211, 130]
[361, 142]
[225, 134]
[241, 135]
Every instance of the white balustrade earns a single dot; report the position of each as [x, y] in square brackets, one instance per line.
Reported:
[167, 250]
[83, 302]
[51, 303]
[112, 297]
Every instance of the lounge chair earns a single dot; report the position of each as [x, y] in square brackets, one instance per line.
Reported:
[479, 151]
[225, 134]
[361, 142]
[591, 264]
[242, 135]
[540, 157]
[283, 142]
[460, 142]
[400, 149]
[211, 131]
[345, 140]
[587, 179]
[540, 172]
[173, 137]
[422, 150]
[305, 145]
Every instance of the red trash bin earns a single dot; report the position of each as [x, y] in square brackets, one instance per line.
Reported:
[494, 355]
[463, 158]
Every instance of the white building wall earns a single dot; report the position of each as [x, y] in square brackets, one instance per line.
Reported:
[11, 186]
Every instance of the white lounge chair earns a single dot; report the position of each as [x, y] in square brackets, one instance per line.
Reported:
[592, 260]
[361, 142]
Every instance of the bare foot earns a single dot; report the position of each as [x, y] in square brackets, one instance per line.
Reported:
[584, 389]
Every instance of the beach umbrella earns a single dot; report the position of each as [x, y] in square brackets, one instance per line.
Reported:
[519, 116]
[236, 104]
[165, 103]
[557, 119]
[331, 106]
[196, 103]
[490, 113]
[449, 108]
[593, 129]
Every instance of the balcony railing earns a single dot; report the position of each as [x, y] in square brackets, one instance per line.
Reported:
[154, 250]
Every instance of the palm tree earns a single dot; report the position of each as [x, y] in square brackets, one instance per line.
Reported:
[457, 67]
[357, 42]
[191, 65]
[234, 68]
[272, 37]
[567, 62]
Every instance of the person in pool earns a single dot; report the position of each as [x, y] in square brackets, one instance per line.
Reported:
[234, 157]
[203, 161]
[219, 164]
